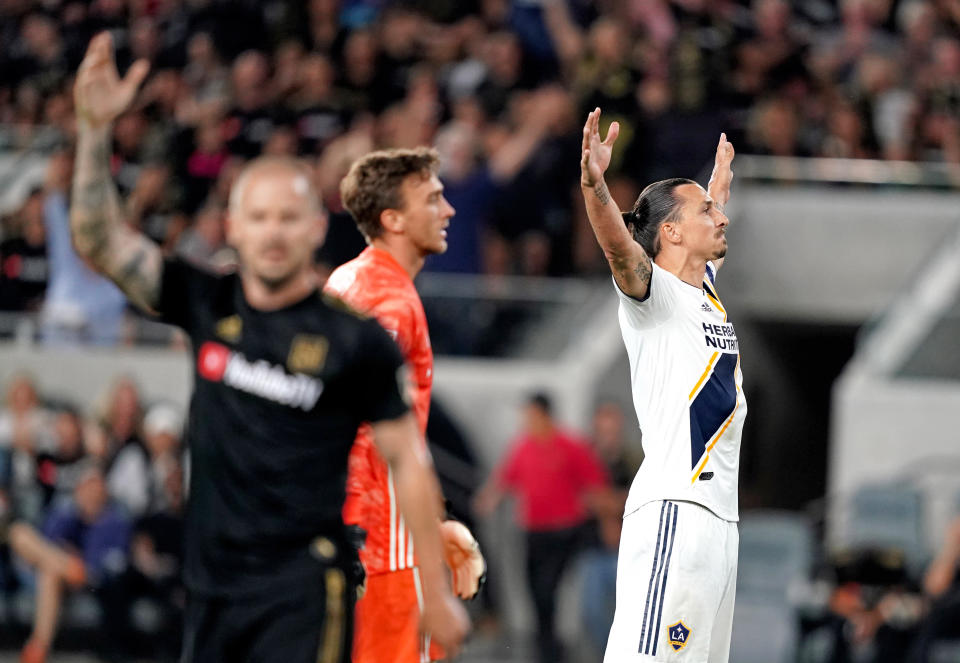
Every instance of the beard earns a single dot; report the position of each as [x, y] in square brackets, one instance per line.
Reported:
[721, 252]
[274, 283]
[277, 282]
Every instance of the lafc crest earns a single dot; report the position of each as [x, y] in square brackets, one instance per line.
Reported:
[229, 328]
[307, 353]
[678, 635]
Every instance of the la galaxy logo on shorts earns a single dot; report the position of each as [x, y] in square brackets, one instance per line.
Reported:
[678, 635]
[229, 328]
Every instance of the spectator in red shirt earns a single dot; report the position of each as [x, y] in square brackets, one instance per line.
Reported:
[556, 476]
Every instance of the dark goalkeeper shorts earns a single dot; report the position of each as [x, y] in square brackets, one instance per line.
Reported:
[307, 621]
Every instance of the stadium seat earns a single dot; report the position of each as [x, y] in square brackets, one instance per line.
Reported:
[776, 551]
[81, 611]
[945, 651]
[763, 632]
[888, 516]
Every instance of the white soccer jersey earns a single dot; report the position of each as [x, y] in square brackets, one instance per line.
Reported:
[688, 393]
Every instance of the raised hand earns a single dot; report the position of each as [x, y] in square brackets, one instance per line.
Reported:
[951, 542]
[595, 156]
[722, 176]
[97, 222]
[99, 94]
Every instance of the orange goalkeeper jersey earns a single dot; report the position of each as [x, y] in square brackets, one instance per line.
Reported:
[374, 283]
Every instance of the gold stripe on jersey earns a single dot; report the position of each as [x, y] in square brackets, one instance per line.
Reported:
[712, 295]
[716, 438]
[712, 289]
[706, 373]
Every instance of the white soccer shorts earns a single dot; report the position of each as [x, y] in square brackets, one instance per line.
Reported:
[676, 585]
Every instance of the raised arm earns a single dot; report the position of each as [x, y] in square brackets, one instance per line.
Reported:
[943, 569]
[100, 233]
[720, 179]
[629, 263]
[418, 495]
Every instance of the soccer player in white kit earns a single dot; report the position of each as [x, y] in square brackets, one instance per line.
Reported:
[677, 566]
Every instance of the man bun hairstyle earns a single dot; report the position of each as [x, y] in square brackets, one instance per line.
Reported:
[373, 183]
[656, 205]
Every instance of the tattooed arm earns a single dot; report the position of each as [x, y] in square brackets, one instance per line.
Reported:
[119, 252]
[96, 220]
[630, 264]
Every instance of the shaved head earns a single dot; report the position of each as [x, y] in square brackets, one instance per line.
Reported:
[302, 183]
[276, 221]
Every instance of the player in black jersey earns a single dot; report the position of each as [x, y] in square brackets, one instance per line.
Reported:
[283, 378]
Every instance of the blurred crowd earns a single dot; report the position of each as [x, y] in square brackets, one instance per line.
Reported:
[91, 502]
[499, 87]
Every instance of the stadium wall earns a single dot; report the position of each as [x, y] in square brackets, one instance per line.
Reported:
[829, 254]
[890, 431]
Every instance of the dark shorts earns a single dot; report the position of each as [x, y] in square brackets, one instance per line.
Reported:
[307, 621]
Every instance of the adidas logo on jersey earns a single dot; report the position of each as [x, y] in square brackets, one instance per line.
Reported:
[706, 307]
[217, 363]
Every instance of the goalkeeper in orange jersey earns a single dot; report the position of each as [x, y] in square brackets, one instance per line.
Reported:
[397, 201]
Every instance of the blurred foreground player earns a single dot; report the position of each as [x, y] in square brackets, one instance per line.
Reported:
[677, 566]
[283, 379]
[398, 204]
